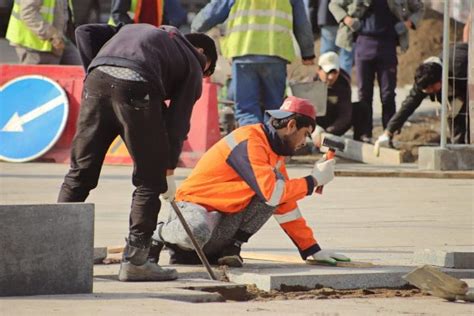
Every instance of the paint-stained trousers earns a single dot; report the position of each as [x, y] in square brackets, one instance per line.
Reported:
[213, 230]
[132, 109]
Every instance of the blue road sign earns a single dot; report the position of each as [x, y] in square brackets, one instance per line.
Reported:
[33, 114]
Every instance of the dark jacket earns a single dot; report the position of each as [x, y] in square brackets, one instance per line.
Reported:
[338, 118]
[162, 56]
[324, 16]
[458, 58]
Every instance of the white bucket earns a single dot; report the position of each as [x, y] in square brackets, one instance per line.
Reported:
[314, 91]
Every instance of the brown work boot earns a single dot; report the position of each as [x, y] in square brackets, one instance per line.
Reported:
[231, 257]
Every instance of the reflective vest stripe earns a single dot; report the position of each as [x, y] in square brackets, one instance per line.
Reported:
[259, 27]
[288, 217]
[277, 193]
[269, 13]
[230, 140]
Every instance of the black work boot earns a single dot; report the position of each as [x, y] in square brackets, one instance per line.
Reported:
[136, 267]
[155, 250]
[230, 256]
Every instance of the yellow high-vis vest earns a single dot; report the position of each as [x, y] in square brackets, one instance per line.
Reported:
[19, 33]
[259, 27]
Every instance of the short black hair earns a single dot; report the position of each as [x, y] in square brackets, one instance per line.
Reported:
[301, 121]
[427, 74]
[203, 41]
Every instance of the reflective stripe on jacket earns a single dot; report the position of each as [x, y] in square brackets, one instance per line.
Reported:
[259, 27]
[240, 166]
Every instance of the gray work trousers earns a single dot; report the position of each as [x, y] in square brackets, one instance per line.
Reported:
[70, 56]
[213, 230]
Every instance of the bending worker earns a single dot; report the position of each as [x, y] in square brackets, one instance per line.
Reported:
[428, 83]
[259, 41]
[338, 118]
[240, 183]
[130, 75]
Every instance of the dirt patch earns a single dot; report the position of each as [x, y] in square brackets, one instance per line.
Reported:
[423, 131]
[254, 294]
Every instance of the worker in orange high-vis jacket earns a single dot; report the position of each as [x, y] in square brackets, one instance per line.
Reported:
[239, 184]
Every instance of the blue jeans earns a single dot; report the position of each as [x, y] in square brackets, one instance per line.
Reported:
[257, 87]
[328, 44]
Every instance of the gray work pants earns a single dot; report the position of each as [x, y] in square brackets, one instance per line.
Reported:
[213, 230]
[70, 56]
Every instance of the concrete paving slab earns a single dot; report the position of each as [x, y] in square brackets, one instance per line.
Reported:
[46, 249]
[454, 157]
[192, 286]
[269, 276]
[447, 259]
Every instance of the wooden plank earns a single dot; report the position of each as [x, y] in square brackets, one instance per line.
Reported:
[294, 259]
[364, 152]
[115, 249]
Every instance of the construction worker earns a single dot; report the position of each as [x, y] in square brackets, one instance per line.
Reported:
[130, 74]
[379, 26]
[154, 12]
[428, 78]
[37, 29]
[338, 118]
[240, 183]
[260, 44]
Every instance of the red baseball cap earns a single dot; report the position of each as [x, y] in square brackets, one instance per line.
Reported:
[293, 105]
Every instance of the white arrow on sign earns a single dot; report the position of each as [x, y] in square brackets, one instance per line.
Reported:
[15, 123]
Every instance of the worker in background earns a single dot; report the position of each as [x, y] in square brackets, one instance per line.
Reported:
[154, 12]
[259, 42]
[240, 183]
[428, 77]
[38, 30]
[131, 73]
[324, 19]
[338, 118]
[379, 26]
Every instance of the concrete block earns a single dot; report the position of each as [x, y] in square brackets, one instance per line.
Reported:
[454, 157]
[275, 277]
[100, 253]
[441, 258]
[363, 152]
[46, 249]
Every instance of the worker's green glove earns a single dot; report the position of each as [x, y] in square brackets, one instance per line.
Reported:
[329, 257]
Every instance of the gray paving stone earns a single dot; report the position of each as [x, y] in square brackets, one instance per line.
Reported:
[455, 157]
[276, 276]
[447, 259]
[46, 249]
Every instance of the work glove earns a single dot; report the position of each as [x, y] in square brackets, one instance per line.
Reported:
[383, 141]
[323, 172]
[169, 195]
[316, 136]
[57, 42]
[329, 257]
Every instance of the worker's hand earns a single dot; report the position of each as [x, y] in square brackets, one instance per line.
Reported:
[382, 141]
[323, 172]
[316, 136]
[57, 40]
[348, 21]
[329, 257]
[169, 195]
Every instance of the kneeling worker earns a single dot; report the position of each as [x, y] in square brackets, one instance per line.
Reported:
[239, 184]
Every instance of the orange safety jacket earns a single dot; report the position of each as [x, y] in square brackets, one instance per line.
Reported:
[244, 164]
